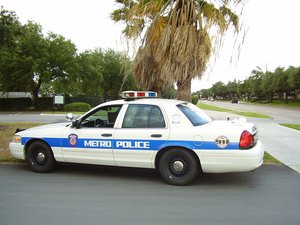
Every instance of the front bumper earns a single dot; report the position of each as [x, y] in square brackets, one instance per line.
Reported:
[216, 161]
[17, 150]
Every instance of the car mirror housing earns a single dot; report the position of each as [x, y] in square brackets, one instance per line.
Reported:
[69, 117]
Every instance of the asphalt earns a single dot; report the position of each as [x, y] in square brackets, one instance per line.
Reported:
[281, 142]
[93, 195]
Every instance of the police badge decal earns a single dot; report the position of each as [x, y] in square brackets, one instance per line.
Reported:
[73, 140]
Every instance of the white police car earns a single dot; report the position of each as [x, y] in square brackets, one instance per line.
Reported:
[175, 137]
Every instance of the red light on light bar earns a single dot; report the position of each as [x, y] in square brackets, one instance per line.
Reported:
[131, 94]
[141, 94]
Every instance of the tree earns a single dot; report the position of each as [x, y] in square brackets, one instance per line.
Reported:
[36, 60]
[219, 90]
[267, 86]
[281, 83]
[232, 88]
[254, 84]
[116, 75]
[294, 79]
[177, 45]
[10, 30]
[90, 72]
[169, 93]
[104, 72]
[206, 93]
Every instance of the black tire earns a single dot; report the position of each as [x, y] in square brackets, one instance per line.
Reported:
[178, 167]
[40, 157]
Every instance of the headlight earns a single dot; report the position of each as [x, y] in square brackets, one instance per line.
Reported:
[17, 139]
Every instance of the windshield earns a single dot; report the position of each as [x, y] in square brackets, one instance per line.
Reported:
[194, 114]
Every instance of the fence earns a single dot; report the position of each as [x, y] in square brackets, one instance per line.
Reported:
[46, 103]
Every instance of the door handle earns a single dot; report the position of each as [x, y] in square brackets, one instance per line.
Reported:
[156, 135]
[106, 135]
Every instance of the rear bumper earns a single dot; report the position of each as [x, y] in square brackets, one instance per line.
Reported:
[223, 161]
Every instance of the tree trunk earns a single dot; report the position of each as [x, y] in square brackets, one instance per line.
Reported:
[156, 89]
[271, 97]
[35, 94]
[184, 90]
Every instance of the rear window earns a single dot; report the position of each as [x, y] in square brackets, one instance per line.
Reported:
[194, 114]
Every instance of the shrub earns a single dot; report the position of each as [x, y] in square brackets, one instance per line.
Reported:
[195, 99]
[15, 103]
[77, 106]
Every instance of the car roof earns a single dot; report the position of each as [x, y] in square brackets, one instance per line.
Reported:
[145, 101]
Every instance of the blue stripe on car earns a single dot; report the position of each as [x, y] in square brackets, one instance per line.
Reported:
[130, 144]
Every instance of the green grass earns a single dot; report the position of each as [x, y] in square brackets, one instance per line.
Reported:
[204, 106]
[270, 159]
[280, 103]
[7, 131]
[252, 114]
[293, 126]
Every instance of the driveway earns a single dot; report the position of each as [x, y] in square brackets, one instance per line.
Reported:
[281, 142]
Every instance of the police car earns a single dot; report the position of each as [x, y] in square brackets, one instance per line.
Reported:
[174, 137]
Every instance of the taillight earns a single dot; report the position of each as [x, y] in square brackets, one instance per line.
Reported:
[246, 140]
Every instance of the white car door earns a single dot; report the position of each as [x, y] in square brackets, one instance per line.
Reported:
[91, 141]
[143, 131]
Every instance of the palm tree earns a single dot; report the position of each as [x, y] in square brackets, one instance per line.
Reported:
[176, 43]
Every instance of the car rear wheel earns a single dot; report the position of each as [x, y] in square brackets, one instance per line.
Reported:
[40, 157]
[178, 167]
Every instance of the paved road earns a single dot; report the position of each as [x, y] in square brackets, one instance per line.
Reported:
[79, 195]
[32, 117]
[281, 142]
[279, 114]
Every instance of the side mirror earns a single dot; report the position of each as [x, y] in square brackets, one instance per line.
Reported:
[76, 124]
[69, 117]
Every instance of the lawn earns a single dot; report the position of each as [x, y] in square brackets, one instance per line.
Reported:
[283, 104]
[293, 126]
[7, 131]
[270, 159]
[204, 106]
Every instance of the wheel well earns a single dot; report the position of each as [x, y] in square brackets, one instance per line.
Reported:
[33, 141]
[169, 148]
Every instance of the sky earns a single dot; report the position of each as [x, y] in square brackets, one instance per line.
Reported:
[272, 35]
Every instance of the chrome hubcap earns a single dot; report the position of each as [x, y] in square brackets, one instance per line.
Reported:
[178, 166]
[40, 157]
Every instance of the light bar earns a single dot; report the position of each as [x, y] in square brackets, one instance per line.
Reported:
[138, 94]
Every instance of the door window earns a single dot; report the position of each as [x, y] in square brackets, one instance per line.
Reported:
[143, 116]
[103, 117]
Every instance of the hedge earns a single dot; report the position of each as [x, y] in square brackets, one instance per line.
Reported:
[195, 99]
[77, 106]
[15, 103]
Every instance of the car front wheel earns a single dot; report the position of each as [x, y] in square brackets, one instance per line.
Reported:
[178, 167]
[40, 157]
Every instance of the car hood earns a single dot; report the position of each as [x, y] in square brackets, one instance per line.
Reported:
[43, 128]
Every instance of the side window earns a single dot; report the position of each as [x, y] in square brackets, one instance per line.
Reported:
[156, 119]
[143, 116]
[194, 114]
[102, 117]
